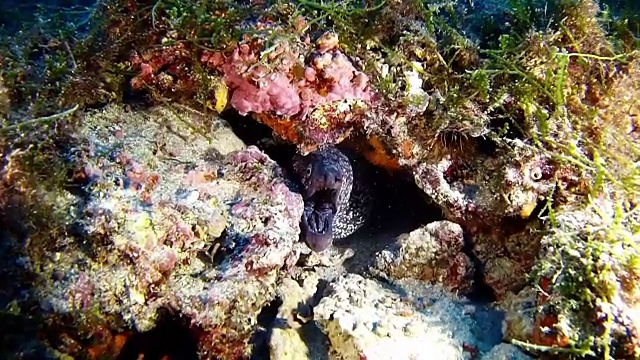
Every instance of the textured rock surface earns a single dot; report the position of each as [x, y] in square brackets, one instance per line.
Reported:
[294, 334]
[492, 197]
[432, 253]
[406, 320]
[505, 352]
[486, 190]
[171, 218]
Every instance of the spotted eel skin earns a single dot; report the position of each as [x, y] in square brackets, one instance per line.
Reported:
[336, 201]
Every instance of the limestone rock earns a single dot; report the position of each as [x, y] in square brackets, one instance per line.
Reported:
[432, 253]
[407, 320]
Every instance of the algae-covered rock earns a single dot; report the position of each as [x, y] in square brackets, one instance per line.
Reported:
[508, 257]
[177, 214]
[482, 192]
[365, 319]
[5, 101]
[432, 253]
[520, 314]
[591, 257]
[309, 94]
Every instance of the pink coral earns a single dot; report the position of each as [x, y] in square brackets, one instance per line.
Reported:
[274, 93]
[327, 76]
[340, 79]
[301, 100]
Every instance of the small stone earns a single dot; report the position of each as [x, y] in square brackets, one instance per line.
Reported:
[432, 253]
[380, 329]
[399, 331]
[192, 197]
[137, 297]
[413, 329]
[469, 310]
[328, 41]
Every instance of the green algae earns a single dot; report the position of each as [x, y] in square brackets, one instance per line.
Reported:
[582, 257]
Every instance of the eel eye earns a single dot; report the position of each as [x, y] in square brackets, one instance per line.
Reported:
[309, 171]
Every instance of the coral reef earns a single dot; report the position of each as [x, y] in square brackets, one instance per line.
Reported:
[519, 122]
[310, 93]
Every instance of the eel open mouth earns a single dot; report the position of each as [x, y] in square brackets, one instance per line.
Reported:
[317, 221]
[326, 179]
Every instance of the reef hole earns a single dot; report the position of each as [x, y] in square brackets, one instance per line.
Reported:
[261, 337]
[481, 292]
[252, 132]
[171, 338]
[399, 206]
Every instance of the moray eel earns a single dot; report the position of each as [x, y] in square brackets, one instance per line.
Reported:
[336, 202]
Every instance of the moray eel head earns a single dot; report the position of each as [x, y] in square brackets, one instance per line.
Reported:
[322, 179]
